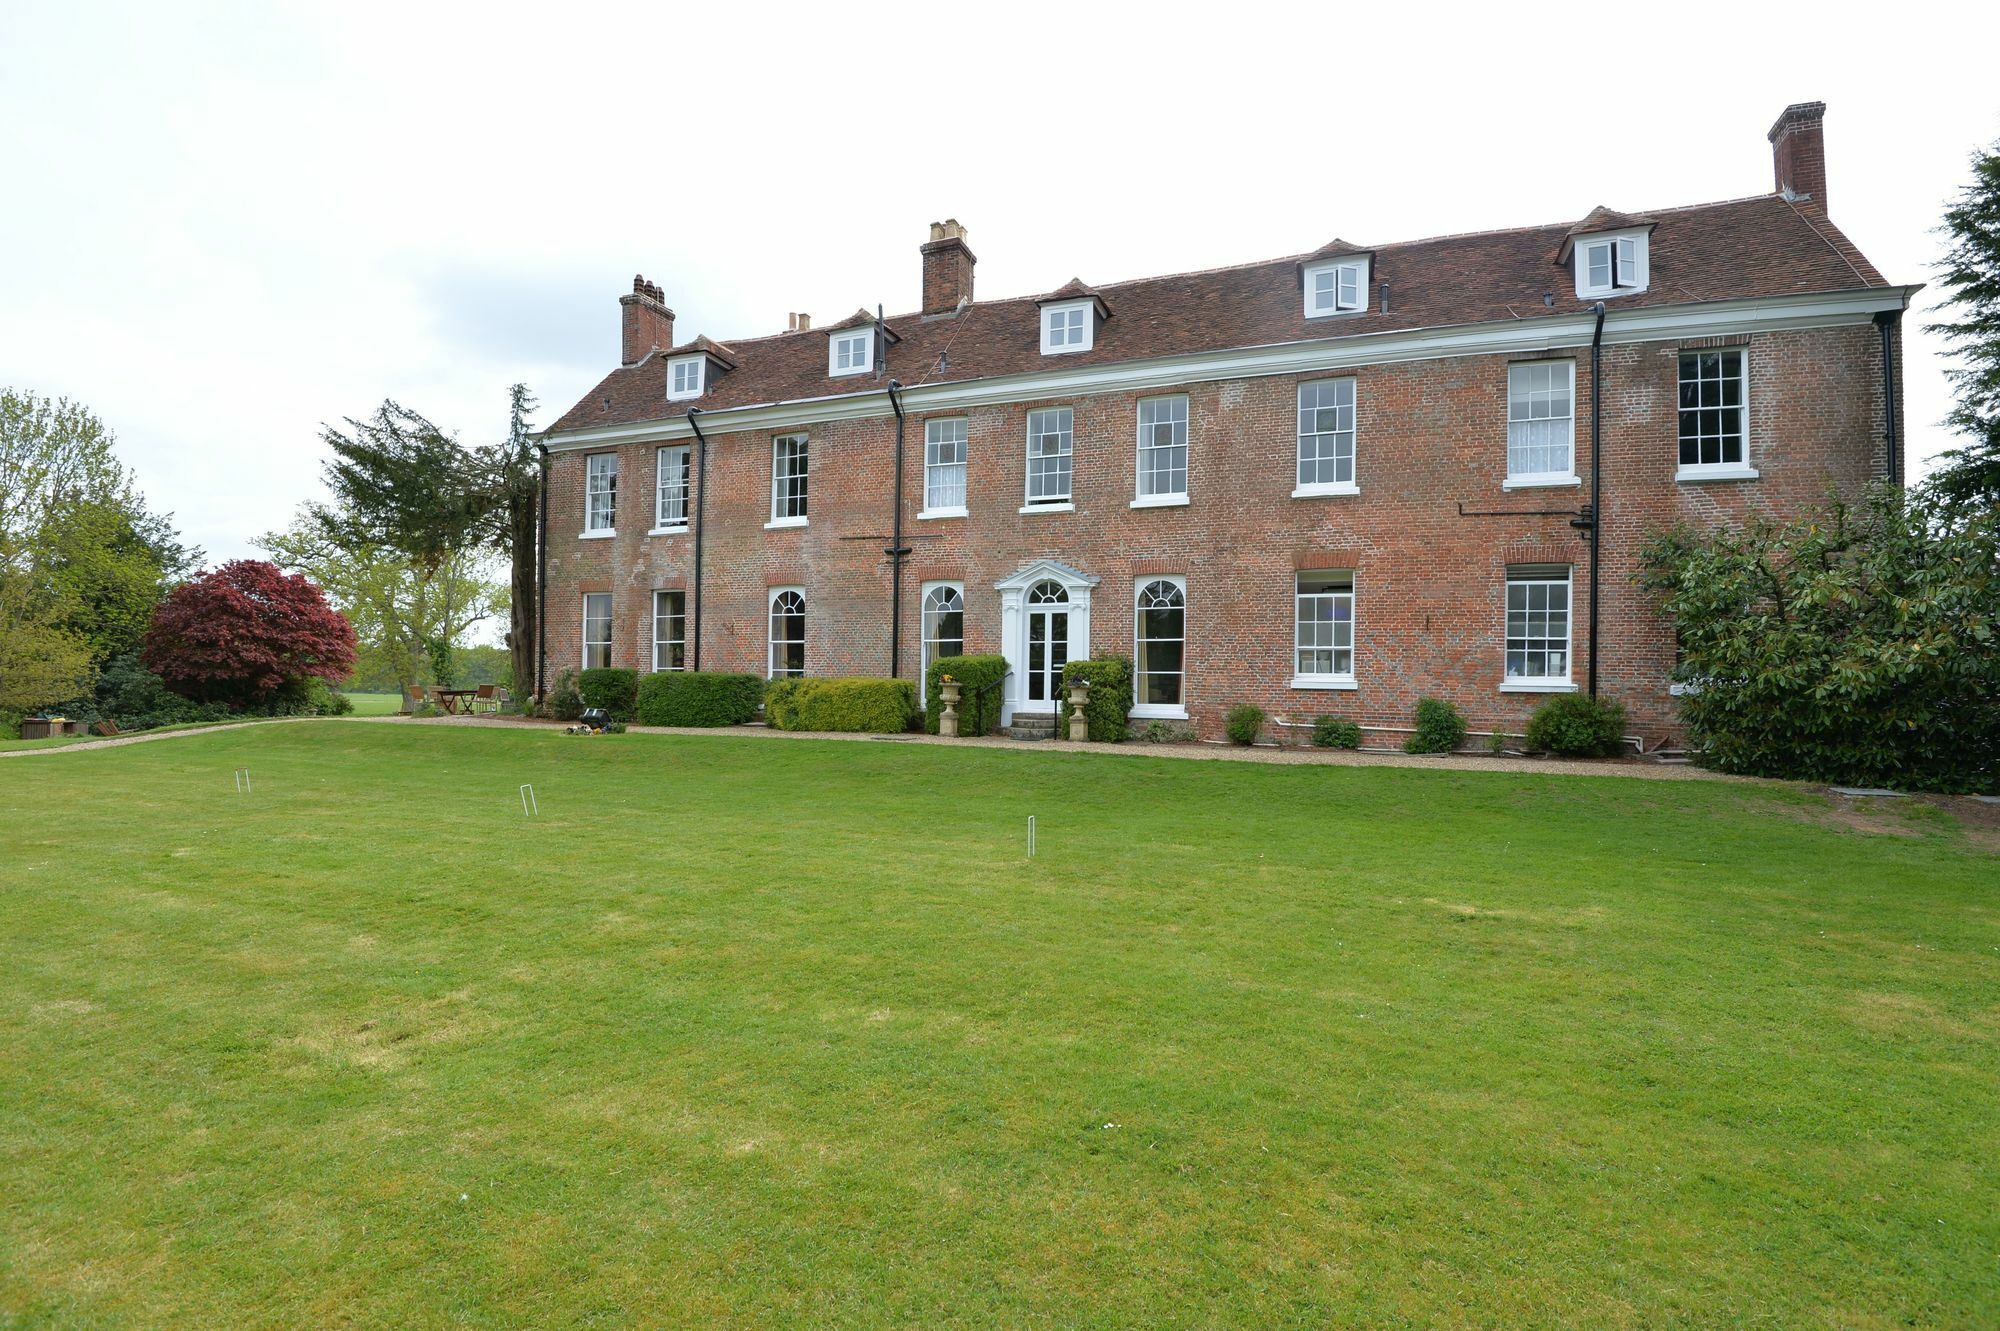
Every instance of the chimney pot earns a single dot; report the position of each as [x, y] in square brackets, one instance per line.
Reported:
[948, 265]
[1798, 152]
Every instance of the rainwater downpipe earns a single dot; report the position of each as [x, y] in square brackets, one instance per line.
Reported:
[700, 508]
[897, 551]
[542, 579]
[1885, 324]
[1596, 475]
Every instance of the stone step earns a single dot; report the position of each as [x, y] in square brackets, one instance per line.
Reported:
[1032, 725]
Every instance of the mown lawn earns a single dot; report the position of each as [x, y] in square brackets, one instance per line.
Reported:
[790, 1033]
[376, 704]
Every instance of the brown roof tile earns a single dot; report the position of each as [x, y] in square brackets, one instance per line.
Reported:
[1762, 246]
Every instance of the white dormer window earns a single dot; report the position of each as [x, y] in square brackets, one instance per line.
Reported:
[1068, 327]
[684, 377]
[1614, 265]
[851, 352]
[1336, 288]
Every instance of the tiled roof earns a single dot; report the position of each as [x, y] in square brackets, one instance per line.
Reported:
[708, 346]
[1762, 246]
[1335, 249]
[1607, 219]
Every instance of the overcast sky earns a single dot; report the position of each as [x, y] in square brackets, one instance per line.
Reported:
[223, 226]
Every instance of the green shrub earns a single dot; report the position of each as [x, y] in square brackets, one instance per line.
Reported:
[1170, 732]
[1245, 723]
[1110, 697]
[976, 714]
[1496, 744]
[1440, 728]
[1857, 647]
[614, 727]
[565, 703]
[854, 705]
[698, 698]
[1330, 732]
[613, 689]
[1576, 723]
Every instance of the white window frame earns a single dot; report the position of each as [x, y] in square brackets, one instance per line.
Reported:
[1066, 501]
[858, 345]
[1521, 480]
[593, 528]
[1175, 405]
[686, 377]
[1527, 577]
[940, 432]
[1317, 679]
[926, 636]
[681, 618]
[1068, 327]
[1352, 409]
[780, 499]
[1739, 470]
[606, 618]
[663, 489]
[772, 641]
[1628, 263]
[1344, 290]
[1158, 710]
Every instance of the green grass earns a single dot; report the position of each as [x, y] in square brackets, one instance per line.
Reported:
[789, 1033]
[85, 737]
[376, 704]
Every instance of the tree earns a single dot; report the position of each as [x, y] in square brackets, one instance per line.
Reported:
[108, 564]
[514, 474]
[246, 633]
[1969, 480]
[41, 662]
[1854, 647]
[51, 453]
[400, 614]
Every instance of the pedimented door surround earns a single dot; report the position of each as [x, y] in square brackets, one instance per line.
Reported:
[1014, 628]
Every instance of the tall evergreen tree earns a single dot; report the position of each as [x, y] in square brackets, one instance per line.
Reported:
[514, 474]
[1969, 480]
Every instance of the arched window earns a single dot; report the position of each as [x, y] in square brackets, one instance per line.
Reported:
[1048, 593]
[788, 633]
[1159, 636]
[944, 625]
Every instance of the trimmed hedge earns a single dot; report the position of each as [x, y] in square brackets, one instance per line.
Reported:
[860, 705]
[976, 715]
[1576, 723]
[1110, 698]
[613, 689]
[1330, 732]
[698, 698]
[1440, 728]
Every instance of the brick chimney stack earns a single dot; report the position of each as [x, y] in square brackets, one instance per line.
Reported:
[948, 262]
[648, 321]
[1798, 151]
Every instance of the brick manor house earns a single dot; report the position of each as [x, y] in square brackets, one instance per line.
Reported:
[1326, 484]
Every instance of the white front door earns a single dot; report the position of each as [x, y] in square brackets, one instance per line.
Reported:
[1044, 624]
[1048, 648]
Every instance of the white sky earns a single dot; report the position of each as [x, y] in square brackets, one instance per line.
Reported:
[224, 226]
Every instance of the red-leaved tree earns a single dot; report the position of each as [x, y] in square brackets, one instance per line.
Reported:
[247, 632]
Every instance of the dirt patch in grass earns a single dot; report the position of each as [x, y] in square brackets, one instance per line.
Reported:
[1899, 816]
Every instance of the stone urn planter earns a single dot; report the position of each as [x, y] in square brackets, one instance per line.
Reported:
[948, 718]
[1079, 698]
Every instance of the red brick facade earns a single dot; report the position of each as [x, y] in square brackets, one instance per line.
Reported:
[1429, 569]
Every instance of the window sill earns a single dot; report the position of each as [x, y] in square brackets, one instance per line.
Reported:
[1158, 711]
[1686, 474]
[682, 397]
[603, 534]
[1536, 686]
[1160, 501]
[1048, 350]
[1064, 507]
[669, 531]
[776, 523]
[1539, 482]
[1326, 490]
[1608, 293]
[1341, 682]
[930, 514]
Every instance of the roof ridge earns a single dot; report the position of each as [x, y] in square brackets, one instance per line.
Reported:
[1806, 216]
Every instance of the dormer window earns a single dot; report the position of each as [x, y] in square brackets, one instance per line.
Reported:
[1068, 327]
[851, 351]
[685, 375]
[1336, 288]
[1614, 265]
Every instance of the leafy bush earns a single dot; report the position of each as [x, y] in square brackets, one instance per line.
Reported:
[1576, 723]
[613, 689]
[976, 714]
[1245, 723]
[1859, 648]
[614, 727]
[1110, 697]
[1169, 732]
[1330, 732]
[859, 705]
[1496, 744]
[698, 698]
[1440, 728]
[138, 699]
[565, 702]
[244, 631]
